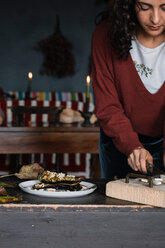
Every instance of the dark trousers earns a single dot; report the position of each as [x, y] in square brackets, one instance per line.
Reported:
[114, 163]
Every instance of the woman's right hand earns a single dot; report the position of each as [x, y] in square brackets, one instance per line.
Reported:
[138, 158]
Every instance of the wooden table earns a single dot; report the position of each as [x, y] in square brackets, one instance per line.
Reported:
[63, 138]
[92, 221]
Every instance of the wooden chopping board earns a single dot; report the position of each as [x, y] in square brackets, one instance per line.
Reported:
[137, 191]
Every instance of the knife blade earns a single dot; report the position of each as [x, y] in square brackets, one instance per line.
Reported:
[152, 170]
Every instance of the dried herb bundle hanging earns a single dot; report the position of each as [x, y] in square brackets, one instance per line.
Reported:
[58, 59]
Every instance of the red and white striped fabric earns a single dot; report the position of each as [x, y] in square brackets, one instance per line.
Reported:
[77, 164]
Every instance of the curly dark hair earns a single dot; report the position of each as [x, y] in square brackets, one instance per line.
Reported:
[123, 26]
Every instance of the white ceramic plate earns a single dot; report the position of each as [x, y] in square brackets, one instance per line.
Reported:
[27, 187]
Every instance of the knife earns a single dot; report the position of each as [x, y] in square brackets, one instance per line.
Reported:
[152, 170]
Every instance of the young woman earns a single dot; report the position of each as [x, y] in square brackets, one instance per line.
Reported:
[128, 74]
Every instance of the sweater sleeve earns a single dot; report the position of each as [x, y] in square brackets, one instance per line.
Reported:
[164, 133]
[109, 109]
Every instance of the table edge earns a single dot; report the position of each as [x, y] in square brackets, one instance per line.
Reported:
[77, 208]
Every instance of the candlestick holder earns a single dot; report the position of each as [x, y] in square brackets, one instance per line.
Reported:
[86, 117]
[27, 94]
[28, 97]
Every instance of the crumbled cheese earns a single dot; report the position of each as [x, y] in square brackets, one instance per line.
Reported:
[61, 176]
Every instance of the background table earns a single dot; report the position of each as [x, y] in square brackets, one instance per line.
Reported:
[63, 138]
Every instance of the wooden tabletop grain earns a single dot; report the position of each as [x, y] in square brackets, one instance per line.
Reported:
[68, 138]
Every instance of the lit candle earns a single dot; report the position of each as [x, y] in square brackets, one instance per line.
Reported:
[30, 76]
[88, 80]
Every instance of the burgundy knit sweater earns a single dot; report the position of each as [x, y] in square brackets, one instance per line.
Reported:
[124, 107]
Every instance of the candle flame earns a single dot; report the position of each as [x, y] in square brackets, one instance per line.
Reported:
[88, 80]
[30, 75]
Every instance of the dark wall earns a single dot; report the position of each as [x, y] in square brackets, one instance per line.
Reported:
[25, 22]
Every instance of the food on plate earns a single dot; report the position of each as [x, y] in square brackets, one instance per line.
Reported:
[52, 177]
[58, 186]
[54, 181]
